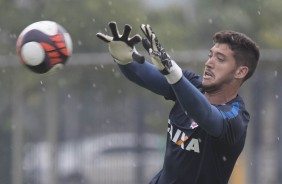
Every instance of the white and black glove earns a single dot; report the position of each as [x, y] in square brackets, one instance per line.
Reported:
[122, 47]
[159, 57]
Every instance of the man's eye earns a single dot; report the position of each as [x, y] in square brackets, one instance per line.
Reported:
[220, 58]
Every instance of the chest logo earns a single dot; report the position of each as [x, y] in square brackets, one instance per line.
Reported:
[194, 125]
[181, 139]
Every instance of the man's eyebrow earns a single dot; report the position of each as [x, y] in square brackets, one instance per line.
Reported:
[220, 54]
[217, 53]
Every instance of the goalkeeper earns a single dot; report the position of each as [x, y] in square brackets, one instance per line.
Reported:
[208, 123]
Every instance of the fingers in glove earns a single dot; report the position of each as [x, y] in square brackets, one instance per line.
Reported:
[146, 44]
[147, 30]
[134, 40]
[126, 32]
[114, 29]
[155, 43]
[137, 57]
[105, 38]
[151, 36]
[143, 29]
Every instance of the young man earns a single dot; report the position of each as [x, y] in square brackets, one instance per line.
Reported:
[207, 125]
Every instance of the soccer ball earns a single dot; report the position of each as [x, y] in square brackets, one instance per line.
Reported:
[44, 46]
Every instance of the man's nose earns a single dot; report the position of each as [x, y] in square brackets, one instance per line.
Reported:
[210, 62]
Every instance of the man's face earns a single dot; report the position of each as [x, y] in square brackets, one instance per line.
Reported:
[220, 68]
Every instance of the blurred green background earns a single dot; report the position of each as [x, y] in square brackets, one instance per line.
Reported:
[181, 24]
[84, 124]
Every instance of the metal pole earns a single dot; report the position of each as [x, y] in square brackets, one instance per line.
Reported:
[139, 110]
[52, 129]
[17, 129]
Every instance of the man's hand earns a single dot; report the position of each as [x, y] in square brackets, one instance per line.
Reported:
[122, 47]
[160, 58]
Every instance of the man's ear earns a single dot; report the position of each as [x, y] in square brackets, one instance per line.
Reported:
[241, 72]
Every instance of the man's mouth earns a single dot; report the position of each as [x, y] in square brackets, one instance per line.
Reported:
[208, 74]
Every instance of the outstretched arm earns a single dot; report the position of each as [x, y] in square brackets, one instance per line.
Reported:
[193, 102]
[147, 76]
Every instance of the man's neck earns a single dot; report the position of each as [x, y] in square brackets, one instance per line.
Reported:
[221, 96]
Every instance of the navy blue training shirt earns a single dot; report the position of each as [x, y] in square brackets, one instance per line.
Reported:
[203, 140]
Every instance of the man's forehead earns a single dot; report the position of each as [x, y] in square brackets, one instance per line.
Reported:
[222, 48]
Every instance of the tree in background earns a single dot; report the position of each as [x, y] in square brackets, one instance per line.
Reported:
[182, 24]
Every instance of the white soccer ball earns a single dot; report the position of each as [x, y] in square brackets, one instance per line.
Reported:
[44, 45]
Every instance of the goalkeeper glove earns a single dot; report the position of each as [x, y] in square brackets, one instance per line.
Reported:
[121, 47]
[159, 57]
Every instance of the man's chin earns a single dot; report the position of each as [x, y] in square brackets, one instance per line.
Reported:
[209, 88]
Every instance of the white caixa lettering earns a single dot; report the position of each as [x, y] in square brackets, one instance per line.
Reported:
[193, 145]
[182, 140]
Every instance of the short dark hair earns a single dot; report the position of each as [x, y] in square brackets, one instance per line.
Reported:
[246, 51]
